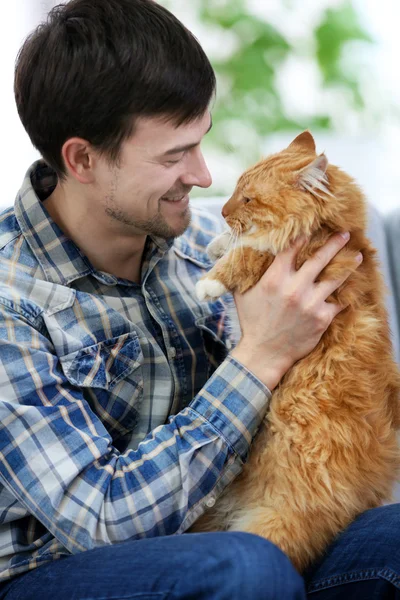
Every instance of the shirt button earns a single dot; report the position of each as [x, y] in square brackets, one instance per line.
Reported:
[171, 352]
[210, 502]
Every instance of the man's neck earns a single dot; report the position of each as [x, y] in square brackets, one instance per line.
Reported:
[107, 247]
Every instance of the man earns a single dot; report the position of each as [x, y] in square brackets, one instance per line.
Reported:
[123, 414]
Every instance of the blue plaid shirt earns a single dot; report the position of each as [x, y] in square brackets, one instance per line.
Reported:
[122, 414]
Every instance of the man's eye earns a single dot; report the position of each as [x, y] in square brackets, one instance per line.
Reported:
[174, 162]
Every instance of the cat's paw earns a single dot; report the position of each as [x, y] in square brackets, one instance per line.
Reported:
[219, 245]
[209, 289]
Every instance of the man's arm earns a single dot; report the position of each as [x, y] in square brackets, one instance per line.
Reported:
[58, 460]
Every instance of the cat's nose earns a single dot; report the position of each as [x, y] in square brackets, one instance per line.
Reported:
[224, 211]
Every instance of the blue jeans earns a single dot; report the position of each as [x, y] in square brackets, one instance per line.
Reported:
[363, 563]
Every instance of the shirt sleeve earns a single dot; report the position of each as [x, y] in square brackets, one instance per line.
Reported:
[57, 458]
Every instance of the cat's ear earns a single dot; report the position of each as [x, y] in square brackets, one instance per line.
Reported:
[313, 177]
[305, 141]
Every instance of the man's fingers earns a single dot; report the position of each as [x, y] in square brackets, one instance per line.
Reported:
[334, 309]
[314, 265]
[327, 287]
[289, 256]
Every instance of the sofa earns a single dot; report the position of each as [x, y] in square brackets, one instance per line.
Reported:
[384, 232]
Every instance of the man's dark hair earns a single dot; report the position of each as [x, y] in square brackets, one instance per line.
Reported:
[96, 65]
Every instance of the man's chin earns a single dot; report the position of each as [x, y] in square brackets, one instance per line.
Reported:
[173, 227]
[186, 217]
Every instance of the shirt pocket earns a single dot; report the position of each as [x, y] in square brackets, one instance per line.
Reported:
[111, 378]
[216, 339]
[105, 364]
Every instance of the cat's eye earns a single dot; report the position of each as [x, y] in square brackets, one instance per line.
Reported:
[246, 200]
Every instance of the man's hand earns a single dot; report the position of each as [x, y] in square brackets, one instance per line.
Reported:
[285, 314]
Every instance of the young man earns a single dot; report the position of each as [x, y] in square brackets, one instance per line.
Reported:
[123, 415]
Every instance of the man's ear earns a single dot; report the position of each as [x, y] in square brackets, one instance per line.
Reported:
[305, 141]
[313, 177]
[78, 158]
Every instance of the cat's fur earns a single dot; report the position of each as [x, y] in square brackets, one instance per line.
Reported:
[327, 449]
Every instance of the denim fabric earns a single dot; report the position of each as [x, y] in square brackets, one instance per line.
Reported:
[363, 564]
[202, 566]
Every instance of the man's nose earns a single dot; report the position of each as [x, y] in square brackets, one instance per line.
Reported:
[205, 179]
[198, 173]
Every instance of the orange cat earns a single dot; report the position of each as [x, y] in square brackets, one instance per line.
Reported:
[327, 449]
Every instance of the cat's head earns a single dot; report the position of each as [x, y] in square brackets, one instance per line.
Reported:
[293, 193]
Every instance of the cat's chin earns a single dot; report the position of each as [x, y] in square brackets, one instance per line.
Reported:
[262, 243]
[272, 241]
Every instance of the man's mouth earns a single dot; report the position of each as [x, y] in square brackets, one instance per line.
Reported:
[176, 199]
[179, 201]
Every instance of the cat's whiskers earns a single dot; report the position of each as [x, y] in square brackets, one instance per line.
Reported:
[233, 250]
[232, 240]
[242, 256]
[232, 253]
[239, 248]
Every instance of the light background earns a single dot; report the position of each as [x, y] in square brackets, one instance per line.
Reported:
[371, 154]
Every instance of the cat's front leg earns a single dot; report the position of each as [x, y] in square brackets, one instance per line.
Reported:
[239, 269]
[211, 286]
[224, 276]
[219, 245]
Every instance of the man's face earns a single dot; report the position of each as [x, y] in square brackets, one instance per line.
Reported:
[147, 193]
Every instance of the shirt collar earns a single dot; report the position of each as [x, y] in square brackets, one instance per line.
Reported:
[60, 258]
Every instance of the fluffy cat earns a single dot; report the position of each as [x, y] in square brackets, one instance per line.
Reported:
[327, 449]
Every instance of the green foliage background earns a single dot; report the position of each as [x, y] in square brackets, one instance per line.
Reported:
[247, 88]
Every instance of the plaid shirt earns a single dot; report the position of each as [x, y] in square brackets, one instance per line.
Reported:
[122, 415]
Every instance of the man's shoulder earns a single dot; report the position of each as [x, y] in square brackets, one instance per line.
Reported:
[21, 276]
[9, 227]
[203, 228]
[15, 252]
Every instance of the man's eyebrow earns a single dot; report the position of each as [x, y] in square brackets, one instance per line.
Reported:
[177, 149]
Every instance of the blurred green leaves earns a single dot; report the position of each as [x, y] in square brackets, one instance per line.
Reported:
[249, 75]
[249, 72]
[339, 27]
[250, 103]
